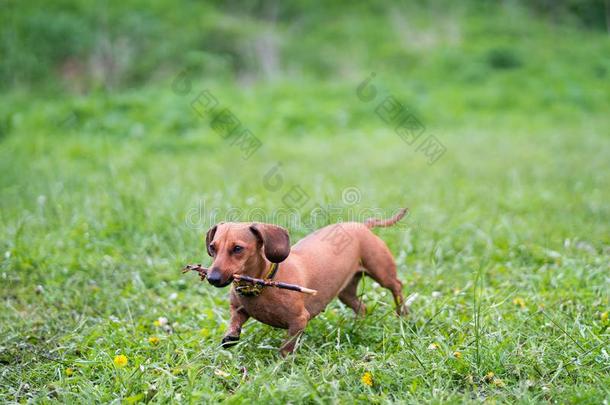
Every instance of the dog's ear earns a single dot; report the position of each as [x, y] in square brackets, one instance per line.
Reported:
[209, 237]
[275, 241]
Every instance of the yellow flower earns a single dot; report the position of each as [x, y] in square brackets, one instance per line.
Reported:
[367, 379]
[432, 346]
[69, 372]
[120, 360]
[457, 355]
[153, 340]
[604, 316]
[489, 376]
[520, 302]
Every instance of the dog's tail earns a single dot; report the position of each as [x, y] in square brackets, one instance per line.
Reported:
[374, 222]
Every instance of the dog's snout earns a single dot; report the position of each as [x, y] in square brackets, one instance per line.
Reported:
[215, 277]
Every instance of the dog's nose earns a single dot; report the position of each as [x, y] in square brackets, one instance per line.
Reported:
[214, 277]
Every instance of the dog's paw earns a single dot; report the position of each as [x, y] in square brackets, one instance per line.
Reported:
[229, 341]
[404, 310]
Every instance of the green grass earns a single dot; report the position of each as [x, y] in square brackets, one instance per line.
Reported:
[98, 220]
[105, 196]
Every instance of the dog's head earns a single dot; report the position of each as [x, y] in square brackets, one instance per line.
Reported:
[237, 246]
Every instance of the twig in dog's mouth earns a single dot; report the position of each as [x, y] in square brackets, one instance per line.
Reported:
[203, 272]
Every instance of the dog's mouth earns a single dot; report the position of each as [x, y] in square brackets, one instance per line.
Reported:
[216, 280]
[229, 281]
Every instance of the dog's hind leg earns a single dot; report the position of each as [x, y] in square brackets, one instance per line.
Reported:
[393, 284]
[380, 266]
[349, 295]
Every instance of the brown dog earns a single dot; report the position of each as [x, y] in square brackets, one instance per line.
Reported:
[314, 262]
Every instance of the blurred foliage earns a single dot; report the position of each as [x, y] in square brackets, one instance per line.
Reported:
[80, 45]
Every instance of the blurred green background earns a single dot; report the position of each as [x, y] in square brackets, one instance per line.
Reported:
[110, 177]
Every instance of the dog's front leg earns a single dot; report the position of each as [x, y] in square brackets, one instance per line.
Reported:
[295, 330]
[238, 317]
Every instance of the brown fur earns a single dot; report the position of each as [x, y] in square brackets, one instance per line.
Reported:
[314, 262]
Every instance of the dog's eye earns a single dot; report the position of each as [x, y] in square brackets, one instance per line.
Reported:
[237, 249]
[212, 249]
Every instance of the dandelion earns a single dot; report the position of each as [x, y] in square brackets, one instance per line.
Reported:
[520, 302]
[604, 317]
[153, 340]
[69, 372]
[457, 355]
[367, 379]
[120, 360]
[489, 376]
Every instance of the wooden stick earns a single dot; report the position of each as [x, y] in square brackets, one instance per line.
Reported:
[203, 272]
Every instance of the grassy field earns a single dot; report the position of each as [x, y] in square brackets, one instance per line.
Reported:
[105, 196]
